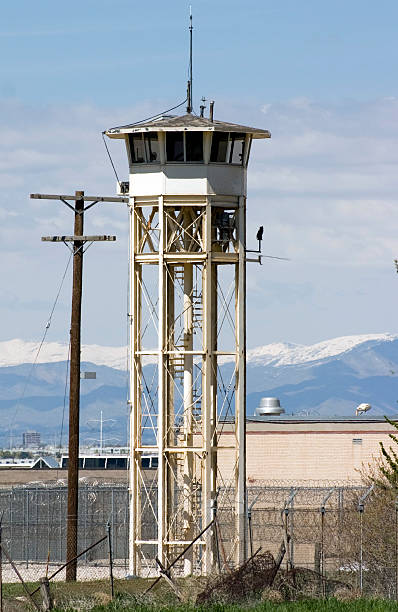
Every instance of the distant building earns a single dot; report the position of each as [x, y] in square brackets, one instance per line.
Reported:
[302, 449]
[31, 439]
[39, 463]
[110, 462]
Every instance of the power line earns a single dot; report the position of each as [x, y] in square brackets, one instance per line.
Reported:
[47, 327]
[110, 158]
[132, 125]
[65, 392]
[121, 127]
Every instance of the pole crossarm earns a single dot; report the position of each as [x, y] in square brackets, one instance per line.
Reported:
[78, 238]
[63, 198]
[44, 196]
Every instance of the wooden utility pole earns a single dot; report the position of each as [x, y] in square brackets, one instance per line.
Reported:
[79, 240]
[74, 390]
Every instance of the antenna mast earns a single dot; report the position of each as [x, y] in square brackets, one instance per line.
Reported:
[189, 88]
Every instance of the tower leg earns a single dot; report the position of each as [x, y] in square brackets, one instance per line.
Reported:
[209, 478]
[240, 396]
[188, 408]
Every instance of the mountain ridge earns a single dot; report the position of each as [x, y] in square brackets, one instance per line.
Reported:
[327, 379]
[18, 352]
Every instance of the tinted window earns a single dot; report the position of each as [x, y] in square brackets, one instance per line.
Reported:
[152, 147]
[219, 147]
[237, 148]
[94, 462]
[194, 146]
[175, 146]
[115, 463]
[136, 148]
[145, 461]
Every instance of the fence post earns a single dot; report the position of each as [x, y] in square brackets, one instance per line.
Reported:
[287, 538]
[45, 593]
[249, 524]
[285, 523]
[396, 548]
[361, 508]
[1, 570]
[108, 529]
[322, 559]
[249, 520]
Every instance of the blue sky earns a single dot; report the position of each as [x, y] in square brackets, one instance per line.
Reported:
[320, 76]
[110, 50]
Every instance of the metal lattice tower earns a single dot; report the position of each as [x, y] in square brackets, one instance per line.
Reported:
[187, 273]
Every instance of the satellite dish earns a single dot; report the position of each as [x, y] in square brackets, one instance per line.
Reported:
[362, 408]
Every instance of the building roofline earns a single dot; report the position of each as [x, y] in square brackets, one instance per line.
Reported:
[185, 123]
[315, 419]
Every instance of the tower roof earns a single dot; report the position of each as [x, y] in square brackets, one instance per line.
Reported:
[183, 123]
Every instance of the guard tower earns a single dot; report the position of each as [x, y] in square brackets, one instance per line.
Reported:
[187, 260]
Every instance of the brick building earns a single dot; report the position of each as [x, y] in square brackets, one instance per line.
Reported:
[319, 450]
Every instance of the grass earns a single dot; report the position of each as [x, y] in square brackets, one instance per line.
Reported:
[94, 596]
[331, 605]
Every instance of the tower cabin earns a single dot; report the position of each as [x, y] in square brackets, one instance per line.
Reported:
[187, 155]
[187, 211]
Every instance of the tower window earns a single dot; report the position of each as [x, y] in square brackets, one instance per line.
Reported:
[136, 148]
[237, 148]
[152, 147]
[144, 148]
[228, 148]
[194, 146]
[175, 146]
[219, 147]
[184, 146]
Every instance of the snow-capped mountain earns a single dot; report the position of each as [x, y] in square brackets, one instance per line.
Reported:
[17, 352]
[328, 378]
[293, 354]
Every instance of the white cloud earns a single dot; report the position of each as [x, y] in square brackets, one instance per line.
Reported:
[326, 183]
[324, 187]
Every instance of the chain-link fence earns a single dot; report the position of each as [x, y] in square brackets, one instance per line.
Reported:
[341, 533]
[34, 521]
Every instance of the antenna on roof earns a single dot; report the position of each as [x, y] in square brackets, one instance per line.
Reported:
[189, 88]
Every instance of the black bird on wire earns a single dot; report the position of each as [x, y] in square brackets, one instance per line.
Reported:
[260, 236]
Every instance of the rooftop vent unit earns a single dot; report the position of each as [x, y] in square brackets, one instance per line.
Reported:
[269, 406]
[362, 408]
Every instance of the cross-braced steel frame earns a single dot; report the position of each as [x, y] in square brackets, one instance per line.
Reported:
[186, 316]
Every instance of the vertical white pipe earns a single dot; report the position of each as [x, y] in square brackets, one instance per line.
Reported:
[101, 444]
[240, 397]
[209, 392]
[131, 394]
[188, 407]
[162, 408]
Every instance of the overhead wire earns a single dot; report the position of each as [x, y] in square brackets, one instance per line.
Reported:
[132, 125]
[149, 118]
[110, 157]
[47, 327]
[64, 402]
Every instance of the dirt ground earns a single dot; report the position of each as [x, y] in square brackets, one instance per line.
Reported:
[34, 571]
[19, 476]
